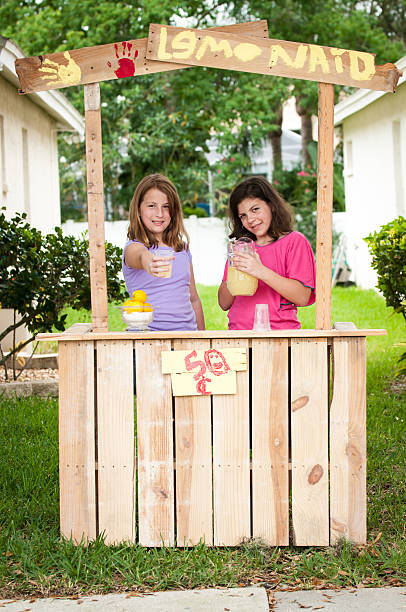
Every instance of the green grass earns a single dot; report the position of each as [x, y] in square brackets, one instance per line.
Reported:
[35, 561]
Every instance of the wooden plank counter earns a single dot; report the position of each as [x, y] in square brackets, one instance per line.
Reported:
[214, 468]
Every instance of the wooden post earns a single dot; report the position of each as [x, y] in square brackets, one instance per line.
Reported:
[95, 205]
[324, 206]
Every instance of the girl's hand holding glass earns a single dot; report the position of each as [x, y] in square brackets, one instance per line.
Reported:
[250, 264]
[161, 264]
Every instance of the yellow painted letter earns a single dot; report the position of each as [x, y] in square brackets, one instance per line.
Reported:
[246, 52]
[337, 59]
[317, 56]
[162, 53]
[369, 65]
[278, 52]
[187, 42]
[221, 46]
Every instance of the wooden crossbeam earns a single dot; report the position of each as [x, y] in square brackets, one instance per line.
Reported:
[104, 62]
[270, 56]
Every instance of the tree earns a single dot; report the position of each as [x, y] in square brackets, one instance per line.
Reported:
[41, 275]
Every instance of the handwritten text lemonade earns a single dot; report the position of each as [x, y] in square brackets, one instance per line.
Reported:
[188, 44]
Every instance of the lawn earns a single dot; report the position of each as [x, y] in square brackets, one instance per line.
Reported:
[35, 561]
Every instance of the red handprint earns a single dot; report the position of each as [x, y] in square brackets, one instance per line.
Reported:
[126, 64]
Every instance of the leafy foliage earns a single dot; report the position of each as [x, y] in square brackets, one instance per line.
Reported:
[388, 250]
[41, 274]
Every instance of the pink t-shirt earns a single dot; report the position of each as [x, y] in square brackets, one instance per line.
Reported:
[290, 256]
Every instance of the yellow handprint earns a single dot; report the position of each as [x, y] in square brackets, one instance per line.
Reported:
[59, 74]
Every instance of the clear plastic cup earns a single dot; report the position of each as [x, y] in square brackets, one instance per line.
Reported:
[261, 318]
[165, 254]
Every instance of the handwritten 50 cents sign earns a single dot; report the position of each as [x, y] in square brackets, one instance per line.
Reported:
[200, 372]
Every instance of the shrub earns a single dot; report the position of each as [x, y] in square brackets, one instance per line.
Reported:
[41, 274]
[388, 250]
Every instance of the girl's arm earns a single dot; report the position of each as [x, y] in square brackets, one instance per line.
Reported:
[289, 288]
[138, 257]
[195, 301]
[225, 298]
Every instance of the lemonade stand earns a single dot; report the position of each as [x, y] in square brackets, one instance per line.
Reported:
[238, 434]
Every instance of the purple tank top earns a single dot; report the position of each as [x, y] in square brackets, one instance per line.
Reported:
[170, 297]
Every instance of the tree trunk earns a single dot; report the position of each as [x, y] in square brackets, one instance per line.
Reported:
[275, 138]
[306, 130]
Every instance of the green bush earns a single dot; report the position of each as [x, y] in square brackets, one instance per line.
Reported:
[42, 274]
[388, 250]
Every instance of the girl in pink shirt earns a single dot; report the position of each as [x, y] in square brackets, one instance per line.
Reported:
[283, 263]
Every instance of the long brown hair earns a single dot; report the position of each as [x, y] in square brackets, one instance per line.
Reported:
[175, 234]
[258, 187]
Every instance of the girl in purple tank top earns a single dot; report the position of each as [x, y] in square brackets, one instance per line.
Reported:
[156, 223]
[283, 262]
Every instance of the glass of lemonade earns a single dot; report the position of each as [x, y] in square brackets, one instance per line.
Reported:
[240, 283]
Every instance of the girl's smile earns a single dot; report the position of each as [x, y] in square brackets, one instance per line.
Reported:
[256, 217]
[154, 212]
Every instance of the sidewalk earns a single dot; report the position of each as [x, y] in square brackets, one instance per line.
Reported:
[251, 599]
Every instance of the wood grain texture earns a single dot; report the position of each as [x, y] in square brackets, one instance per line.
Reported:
[104, 62]
[309, 439]
[156, 512]
[324, 206]
[77, 486]
[194, 483]
[231, 470]
[269, 56]
[270, 438]
[115, 436]
[215, 334]
[95, 204]
[348, 441]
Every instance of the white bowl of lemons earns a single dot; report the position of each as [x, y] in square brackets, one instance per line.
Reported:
[136, 313]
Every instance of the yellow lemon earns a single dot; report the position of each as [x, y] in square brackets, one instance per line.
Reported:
[127, 303]
[139, 296]
[134, 306]
[148, 307]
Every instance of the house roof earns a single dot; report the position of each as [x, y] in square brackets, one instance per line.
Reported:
[363, 97]
[53, 101]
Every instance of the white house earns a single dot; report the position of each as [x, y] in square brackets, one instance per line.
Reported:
[29, 176]
[29, 124]
[374, 138]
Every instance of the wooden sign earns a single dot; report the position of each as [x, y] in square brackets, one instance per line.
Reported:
[271, 56]
[105, 62]
[200, 372]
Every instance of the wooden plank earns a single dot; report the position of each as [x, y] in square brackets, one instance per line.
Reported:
[194, 505]
[77, 486]
[231, 470]
[309, 434]
[115, 435]
[270, 440]
[155, 446]
[104, 62]
[348, 441]
[271, 56]
[324, 206]
[215, 334]
[95, 204]
[344, 325]
[78, 328]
